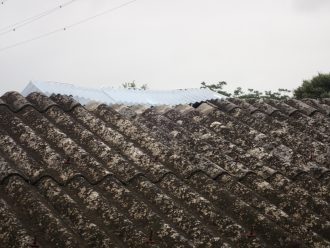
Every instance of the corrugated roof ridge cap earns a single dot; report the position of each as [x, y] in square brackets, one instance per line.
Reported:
[92, 105]
[205, 107]
[2, 102]
[183, 107]
[15, 100]
[160, 109]
[301, 106]
[139, 109]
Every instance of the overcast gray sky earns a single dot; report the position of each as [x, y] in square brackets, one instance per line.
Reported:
[261, 44]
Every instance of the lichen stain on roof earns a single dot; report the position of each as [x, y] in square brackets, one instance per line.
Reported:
[229, 173]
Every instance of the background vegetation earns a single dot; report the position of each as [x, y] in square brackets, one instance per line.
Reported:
[317, 87]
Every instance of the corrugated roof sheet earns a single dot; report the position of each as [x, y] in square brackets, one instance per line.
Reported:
[123, 96]
[230, 173]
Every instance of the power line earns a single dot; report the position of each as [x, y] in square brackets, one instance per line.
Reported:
[15, 26]
[67, 27]
[101, 14]
[37, 16]
[32, 39]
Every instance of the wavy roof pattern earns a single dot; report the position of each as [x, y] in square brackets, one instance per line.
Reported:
[229, 173]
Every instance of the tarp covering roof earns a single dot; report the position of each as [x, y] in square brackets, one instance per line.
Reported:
[123, 96]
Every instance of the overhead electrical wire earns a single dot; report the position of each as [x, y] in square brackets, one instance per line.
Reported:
[22, 23]
[82, 21]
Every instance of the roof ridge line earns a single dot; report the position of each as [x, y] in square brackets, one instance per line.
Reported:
[96, 182]
[45, 109]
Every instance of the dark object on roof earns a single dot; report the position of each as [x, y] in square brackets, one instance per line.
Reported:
[230, 173]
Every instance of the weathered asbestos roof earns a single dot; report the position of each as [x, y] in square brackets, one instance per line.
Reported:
[123, 96]
[229, 173]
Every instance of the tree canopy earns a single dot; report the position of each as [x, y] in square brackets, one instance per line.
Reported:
[251, 93]
[216, 87]
[317, 87]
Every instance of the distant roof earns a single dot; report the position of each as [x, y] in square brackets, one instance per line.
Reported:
[123, 96]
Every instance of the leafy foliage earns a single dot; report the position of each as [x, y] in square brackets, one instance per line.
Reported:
[317, 87]
[134, 86]
[251, 93]
[216, 87]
